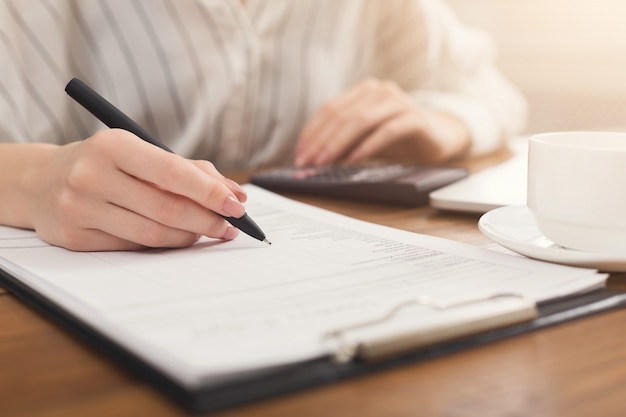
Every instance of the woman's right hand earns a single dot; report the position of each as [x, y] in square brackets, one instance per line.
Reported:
[114, 191]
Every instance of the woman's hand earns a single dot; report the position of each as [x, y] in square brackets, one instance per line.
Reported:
[114, 191]
[376, 118]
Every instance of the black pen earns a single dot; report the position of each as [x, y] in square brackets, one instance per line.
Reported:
[111, 116]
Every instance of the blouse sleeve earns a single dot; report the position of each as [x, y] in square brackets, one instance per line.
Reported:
[447, 66]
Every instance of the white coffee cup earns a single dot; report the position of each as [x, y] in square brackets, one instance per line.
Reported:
[577, 189]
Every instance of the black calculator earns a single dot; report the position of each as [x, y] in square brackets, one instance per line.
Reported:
[404, 185]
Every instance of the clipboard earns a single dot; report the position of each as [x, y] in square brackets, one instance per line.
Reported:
[302, 375]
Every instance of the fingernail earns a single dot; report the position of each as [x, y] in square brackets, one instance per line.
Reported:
[230, 233]
[232, 207]
[235, 187]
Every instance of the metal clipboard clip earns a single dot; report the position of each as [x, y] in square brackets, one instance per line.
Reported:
[514, 309]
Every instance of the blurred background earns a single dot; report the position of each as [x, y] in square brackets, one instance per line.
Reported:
[567, 56]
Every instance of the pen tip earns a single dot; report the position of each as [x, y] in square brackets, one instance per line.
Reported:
[267, 242]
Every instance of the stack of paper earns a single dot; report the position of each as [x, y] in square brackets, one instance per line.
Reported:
[213, 311]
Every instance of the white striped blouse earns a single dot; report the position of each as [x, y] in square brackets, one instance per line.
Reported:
[234, 83]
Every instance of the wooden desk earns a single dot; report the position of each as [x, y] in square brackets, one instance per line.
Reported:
[575, 369]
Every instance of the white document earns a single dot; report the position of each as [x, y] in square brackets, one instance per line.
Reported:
[216, 309]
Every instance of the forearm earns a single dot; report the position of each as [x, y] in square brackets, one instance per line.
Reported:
[18, 162]
[462, 79]
[494, 115]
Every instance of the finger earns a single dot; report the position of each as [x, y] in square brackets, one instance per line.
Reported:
[318, 122]
[371, 104]
[172, 173]
[393, 130]
[69, 235]
[210, 169]
[319, 128]
[115, 229]
[145, 231]
[162, 206]
[119, 222]
[130, 226]
[89, 240]
[363, 119]
[97, 240]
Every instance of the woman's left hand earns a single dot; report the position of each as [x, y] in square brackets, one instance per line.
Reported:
[378, 118]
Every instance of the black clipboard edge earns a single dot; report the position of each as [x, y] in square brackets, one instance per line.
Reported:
[308, 374]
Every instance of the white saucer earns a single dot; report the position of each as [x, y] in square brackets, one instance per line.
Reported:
[514, 228]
